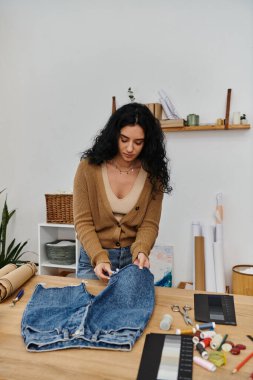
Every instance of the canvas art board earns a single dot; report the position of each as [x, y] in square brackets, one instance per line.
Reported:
[161, 264]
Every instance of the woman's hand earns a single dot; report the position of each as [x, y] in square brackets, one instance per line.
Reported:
[103, 271]
[142, 261]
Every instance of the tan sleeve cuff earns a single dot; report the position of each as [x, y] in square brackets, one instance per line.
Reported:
[100, 257]
[137, 248]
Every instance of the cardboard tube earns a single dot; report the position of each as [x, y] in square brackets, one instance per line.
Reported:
[158, 110]
[196, 231]
[199, 263]
[208, 233]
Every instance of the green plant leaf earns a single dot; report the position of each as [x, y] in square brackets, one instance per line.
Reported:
[13, 252]
[4, 223]
[10, 247]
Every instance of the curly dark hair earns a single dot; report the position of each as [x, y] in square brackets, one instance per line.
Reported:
[153, 155]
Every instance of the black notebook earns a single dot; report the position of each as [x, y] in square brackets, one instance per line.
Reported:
[166, 356]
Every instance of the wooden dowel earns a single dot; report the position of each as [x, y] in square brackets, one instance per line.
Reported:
[113, 104]
[228, 108]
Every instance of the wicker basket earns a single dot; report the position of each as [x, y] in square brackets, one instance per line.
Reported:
[59, 208]
[61, 255]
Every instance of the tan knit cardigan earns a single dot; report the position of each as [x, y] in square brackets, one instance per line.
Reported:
[96, 226]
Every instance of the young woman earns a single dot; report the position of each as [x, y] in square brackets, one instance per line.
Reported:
[118, 192]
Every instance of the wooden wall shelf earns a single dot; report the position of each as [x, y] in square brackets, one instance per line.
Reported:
[208, 127]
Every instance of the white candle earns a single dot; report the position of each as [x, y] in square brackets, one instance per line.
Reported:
[236, 118]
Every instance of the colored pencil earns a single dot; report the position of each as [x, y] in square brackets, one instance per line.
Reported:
[223, 341]
[240, 365]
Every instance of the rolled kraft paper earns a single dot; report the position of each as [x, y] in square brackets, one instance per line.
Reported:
[196, 231]
[242, 282]
[218, 254]
[158, 110]
[199, 263]
[2, 292]
[5, 288]
[151, 107]
[208, 233]
[7, 269]
[13, 280]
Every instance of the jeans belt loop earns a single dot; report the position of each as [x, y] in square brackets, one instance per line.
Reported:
[65, 334]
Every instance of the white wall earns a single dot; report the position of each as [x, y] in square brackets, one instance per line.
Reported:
[62, 61]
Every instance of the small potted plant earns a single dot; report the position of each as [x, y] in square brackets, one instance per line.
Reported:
[12, 252]
[131, 95]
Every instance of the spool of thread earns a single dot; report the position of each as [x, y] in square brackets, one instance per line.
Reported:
[166, 322]
[204, 363]
[230, 342]
[207, 334]
[206, 342]
[196, 337]
[189, 331]
[206, 326]
[227, 347]
[202, 351]
[216, 341]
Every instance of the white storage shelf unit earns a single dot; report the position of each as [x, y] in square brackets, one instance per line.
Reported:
[49, 232]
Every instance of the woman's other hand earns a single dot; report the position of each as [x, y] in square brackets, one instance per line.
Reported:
[142, 261]
[103, 271]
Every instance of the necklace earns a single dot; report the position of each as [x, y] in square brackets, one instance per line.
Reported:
[129, 170]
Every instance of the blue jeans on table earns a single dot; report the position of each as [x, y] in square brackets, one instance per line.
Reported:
[119, 258]
[70, 317]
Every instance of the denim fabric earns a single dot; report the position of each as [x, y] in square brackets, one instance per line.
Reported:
[119, 258]
[71, 317]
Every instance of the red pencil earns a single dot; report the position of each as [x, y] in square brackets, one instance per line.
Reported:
[240, 365]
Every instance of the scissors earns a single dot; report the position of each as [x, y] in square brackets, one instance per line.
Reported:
[184, 313]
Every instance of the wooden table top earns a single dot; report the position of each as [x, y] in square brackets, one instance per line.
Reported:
[91, 364]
